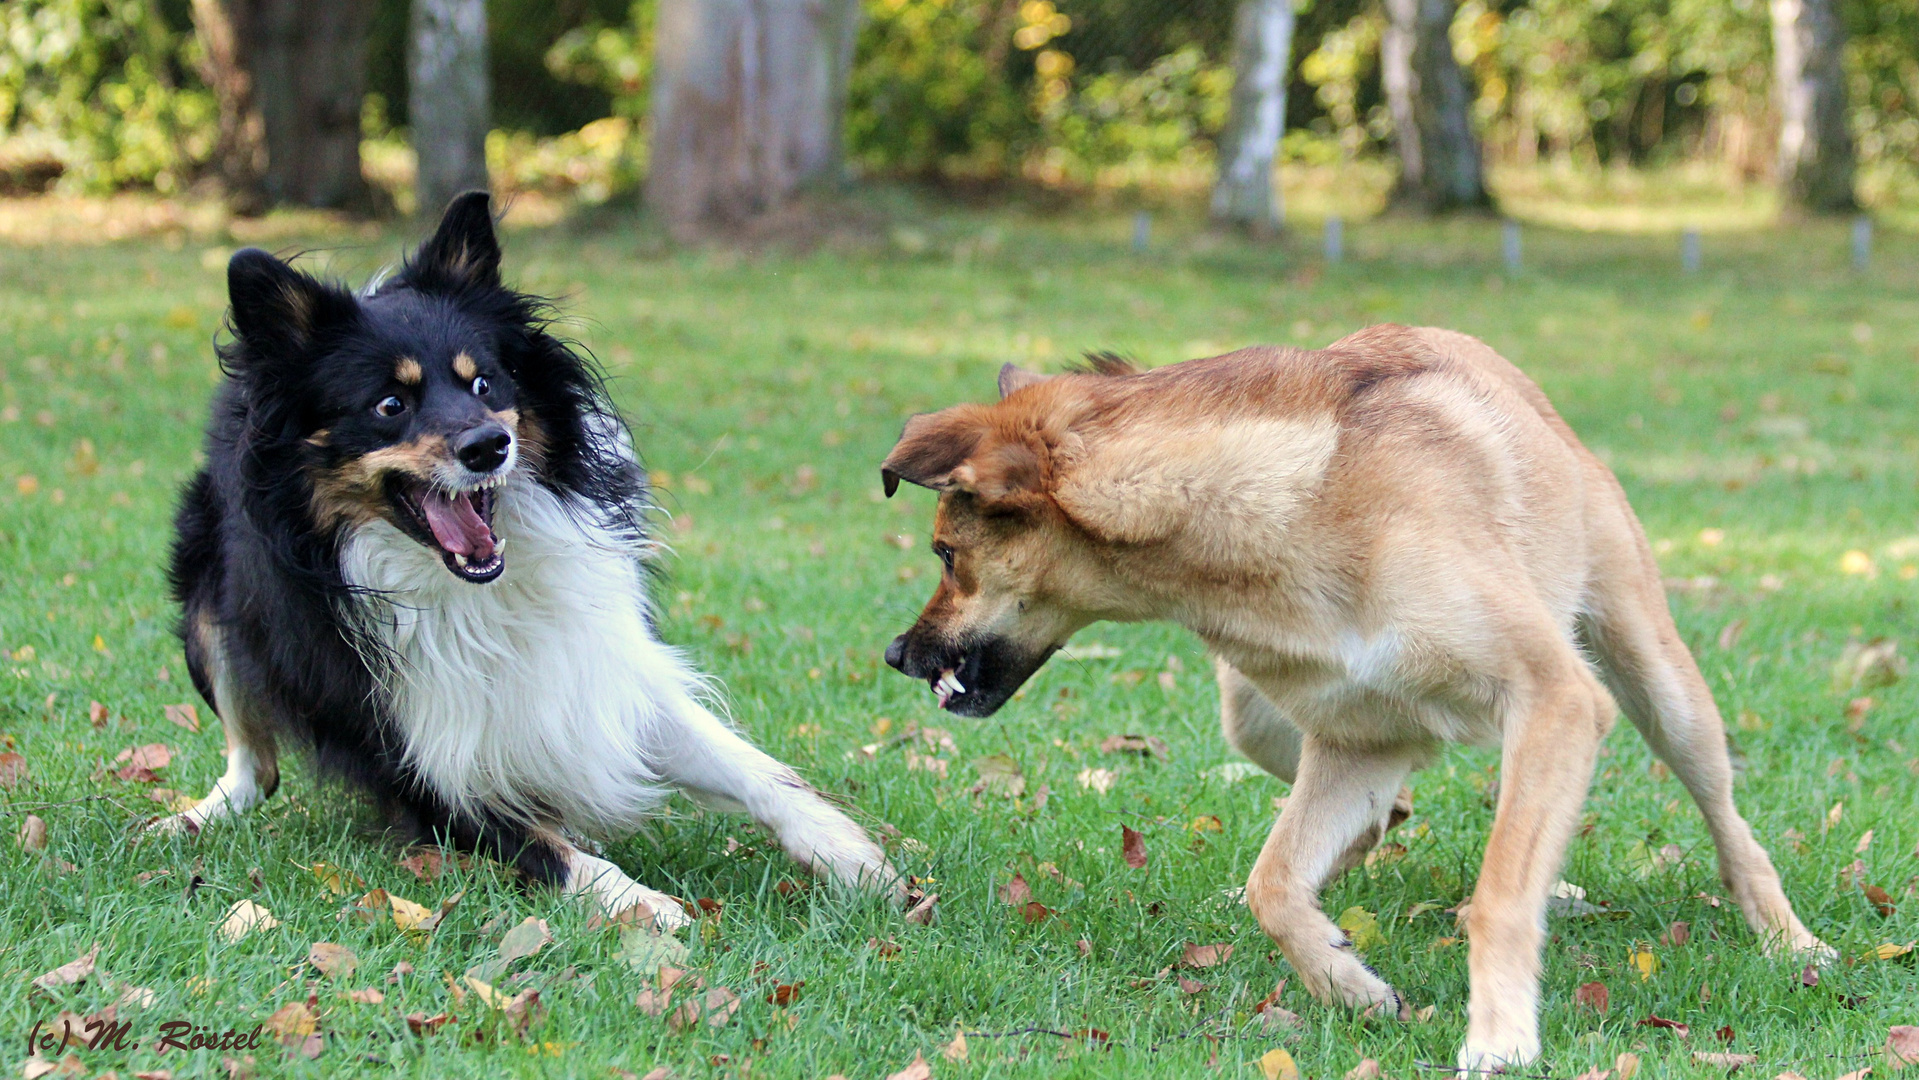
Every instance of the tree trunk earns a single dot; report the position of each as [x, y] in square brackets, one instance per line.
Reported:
[240, 150]
[1245, 194]
[1815, 146]
[448, 105]
[1431, 105]
[748, 103]
[289, 76]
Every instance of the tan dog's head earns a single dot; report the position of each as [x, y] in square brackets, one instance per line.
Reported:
[1019, 574]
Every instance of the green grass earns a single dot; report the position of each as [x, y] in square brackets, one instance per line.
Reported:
[1769, 397]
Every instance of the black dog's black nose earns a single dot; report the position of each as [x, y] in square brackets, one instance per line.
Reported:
[896, 653]
[483, 448]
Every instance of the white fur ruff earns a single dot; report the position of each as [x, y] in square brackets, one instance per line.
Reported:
[543, 693]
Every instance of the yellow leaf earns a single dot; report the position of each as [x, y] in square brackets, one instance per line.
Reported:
[243, 918]
[334, 879]
[1644, 961]
[1362, 928]
[1857, 563]
[1277, 1064]
[99, 643]
[488, 996]
[1627, 1064]
[406, 914]
[1888, 951]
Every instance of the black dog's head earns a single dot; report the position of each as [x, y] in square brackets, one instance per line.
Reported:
[412, 403]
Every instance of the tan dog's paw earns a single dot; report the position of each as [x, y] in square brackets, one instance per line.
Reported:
[1497, 1054]
[182, 824]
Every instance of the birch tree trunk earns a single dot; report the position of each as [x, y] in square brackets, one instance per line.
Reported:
[1815, 145]
[1431, 105]
[289, 76]
[1246, 194]
[748, 103]
[448, 103]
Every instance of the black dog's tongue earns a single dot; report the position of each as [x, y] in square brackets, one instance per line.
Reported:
[457, 525]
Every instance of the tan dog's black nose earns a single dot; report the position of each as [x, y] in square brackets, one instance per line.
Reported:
[896, 653]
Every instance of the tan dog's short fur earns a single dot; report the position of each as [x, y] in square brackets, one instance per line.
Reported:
[1389, 544]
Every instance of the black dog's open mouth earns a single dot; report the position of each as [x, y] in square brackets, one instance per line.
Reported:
[458, 525]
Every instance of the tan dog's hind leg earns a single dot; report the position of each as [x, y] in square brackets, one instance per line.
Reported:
[1256, 728]
[1659, 687]
[1340, 795]
[1556, 715]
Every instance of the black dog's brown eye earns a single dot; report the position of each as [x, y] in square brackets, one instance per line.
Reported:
[390, 405]
[945, 552]
[481, 386]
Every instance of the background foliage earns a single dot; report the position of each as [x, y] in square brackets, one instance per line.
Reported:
[105, 94]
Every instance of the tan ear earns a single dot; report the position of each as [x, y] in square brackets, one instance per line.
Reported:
[963, 449]
[1012, 377]
[932, 447]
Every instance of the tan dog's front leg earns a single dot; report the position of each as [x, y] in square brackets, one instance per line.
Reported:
[1551, 743]
[1340, 795]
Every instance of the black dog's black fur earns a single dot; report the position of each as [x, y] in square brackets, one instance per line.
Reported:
[304, 358]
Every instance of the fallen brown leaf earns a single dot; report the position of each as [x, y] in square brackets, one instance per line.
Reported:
[293, 1022]
[1626, 1064]
[139, 763]
[71, 1065]
[243, 918]
[1144, 745]
[184, 715]
[1595, 1073]
[1204, 956]
[1881, 900]
[1033, 911]
[1809, 977]
[69, 973]
[1902, 1046]
[1188, 986]
[96, 714]
[365, 996]
[785, 994]
[924, 910]
[525, 940]
[886, 949]
[917, 1069]
[33, 834]
[1084, 946]
[955, 1051]
[333, 961]
[714, 1009]
[1594, 996]
[13, 769]
[422, 1024]
[1016, 891]
[1678, 933]
[1367, 1069]
[1674, 1026]
[1132, 848]
[1728, 1062]
[427, 864]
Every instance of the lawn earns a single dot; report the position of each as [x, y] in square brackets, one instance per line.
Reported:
[1761, 414]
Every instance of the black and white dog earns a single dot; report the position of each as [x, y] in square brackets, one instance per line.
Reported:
[344, 571]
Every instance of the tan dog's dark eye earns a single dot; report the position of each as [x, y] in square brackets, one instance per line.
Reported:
[390, 405]
[945, 552]
[481, 386]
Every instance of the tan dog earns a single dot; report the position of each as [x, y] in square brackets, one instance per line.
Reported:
[1388, 545]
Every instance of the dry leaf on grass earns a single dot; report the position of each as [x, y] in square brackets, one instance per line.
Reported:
[71, 1065]
[33, 834]
[333, 961]
[1362, 928]
[293, 1022]
[1902, 1046]
[917, 1069]
[96, 714]
[422, 1024]
[785, 994]
[1000, 775]
[887, 949]
[243, 918]
[1881, 900]
[336, 880]
[1367, 1069]
[1677, 934]
[1099, 781]
[713, 1008]
[525, 940]
[185, 716]
[1204, 956]
[365, 996]
[1626, 1065]
[138, 764]
[955, 1051]
[13, 769]
[1277, 1064]
[1595, 1073]
[1144, 745]
[1132, 848]
[1728, 1062]
[1673, 1026]
[1016, 891]
[1594, 996]
[427, 864]
[1188, 986]
[69, 973]
[923, 910]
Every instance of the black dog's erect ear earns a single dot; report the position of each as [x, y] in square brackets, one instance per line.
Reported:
[277, 310]
[463, 253]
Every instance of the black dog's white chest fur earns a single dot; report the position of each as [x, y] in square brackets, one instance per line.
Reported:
[542, 689]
